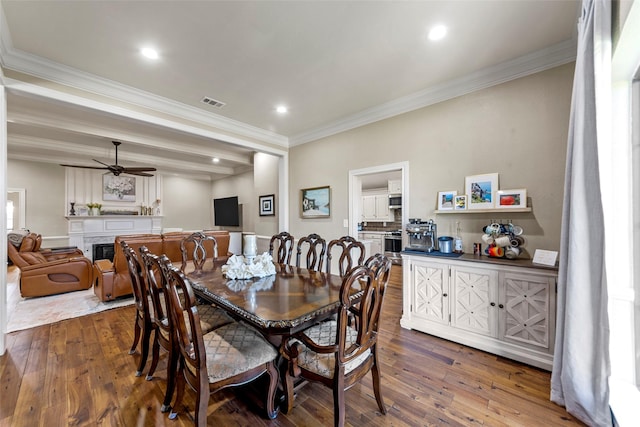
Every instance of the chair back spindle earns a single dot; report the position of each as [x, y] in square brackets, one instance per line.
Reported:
[351, 253]
[283, 244]
[194, 247]
[316, 247]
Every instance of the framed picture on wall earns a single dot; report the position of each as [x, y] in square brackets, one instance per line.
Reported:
[480, 190]
[315, 202]
[266, 204]
[118, 188]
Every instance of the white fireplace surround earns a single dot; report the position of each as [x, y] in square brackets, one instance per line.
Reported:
[84, 232]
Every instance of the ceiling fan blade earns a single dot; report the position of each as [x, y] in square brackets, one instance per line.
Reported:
[84, 167]
[108, 166]
[140, 169]
[128, 172]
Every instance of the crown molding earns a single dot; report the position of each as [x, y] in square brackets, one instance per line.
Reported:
[544, 59]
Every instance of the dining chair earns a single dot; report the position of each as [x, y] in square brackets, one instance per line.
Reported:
[316, 247]
[283, 242]
[144, 324]
[339, 354]
[194, 248]
[231, 355]
[352, 253]
[156, 269]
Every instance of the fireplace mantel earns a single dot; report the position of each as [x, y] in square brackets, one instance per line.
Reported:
[85, 231]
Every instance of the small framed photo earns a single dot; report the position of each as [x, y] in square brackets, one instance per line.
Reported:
[480, 190]
[510, 199]
[445, 200]
[315, 202]
[460, 203]
[82, 210]
[266, 204]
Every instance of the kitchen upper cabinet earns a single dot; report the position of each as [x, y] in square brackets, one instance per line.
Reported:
[504, 309]
[375, 208]
[395, 186]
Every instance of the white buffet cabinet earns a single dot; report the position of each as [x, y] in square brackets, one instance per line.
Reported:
[503, 307]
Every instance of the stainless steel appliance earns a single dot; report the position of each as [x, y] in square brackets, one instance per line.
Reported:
[423, 236]
[395, 202]
[393, 246]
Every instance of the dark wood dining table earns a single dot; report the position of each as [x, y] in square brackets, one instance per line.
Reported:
[278, 305]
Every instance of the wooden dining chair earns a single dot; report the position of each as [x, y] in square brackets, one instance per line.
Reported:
[145, 322]
[157, 269]
[315, 247]
[351, 253]
[231, 355]
[336, 353]
[283, 242]
[194, 248]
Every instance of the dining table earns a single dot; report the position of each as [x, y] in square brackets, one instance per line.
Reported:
[281, 304]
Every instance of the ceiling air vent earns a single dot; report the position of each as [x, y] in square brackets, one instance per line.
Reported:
[213, 102]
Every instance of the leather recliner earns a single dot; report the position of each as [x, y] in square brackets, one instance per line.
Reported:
[49, 271]
[112, 279]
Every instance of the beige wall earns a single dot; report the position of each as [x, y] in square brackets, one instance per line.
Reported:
[186, 203]
[241, 186]
[517, 129]
[44, 186]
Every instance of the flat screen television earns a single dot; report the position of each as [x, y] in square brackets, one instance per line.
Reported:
[226, 211]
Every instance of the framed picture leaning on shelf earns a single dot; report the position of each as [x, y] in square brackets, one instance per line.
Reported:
[480, 190]
[445, 200]
[511, 199]
[460, 203]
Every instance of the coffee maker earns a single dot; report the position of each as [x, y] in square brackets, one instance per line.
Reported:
[423, 236]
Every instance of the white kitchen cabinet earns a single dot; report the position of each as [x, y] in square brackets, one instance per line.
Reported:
[376, 242]
[395, 186]
[375, 208]
[505, 309]
[430, 293]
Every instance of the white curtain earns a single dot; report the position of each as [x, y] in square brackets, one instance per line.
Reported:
[581, 368]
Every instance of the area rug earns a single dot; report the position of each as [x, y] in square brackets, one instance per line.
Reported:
[24, 313]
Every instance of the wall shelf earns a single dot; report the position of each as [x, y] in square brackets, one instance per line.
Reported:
[494, 210]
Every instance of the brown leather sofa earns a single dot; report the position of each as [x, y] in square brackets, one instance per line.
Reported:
[112, 280]
[49, 271]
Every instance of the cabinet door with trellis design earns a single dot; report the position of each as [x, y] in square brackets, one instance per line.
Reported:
[474, 295]
[431, 291]
[526, 316]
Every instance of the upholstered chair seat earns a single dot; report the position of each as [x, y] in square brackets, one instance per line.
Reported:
[324, 364]
[233, 349]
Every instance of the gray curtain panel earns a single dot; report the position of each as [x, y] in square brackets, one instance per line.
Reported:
[581, 367]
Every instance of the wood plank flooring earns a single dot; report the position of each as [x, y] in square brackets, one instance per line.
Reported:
[78, 373]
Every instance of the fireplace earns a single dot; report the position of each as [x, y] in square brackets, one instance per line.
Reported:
[103, 251]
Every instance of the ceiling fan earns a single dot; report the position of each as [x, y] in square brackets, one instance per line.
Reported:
[117, 169]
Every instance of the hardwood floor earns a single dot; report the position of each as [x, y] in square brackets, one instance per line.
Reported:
[78, 373]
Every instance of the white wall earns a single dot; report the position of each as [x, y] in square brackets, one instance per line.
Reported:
[517, 129]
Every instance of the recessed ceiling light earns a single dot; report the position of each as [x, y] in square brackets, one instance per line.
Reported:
[281, 109]
[215, 160]
[149, 53]
[437, 33]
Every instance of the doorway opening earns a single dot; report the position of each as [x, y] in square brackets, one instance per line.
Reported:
[360, 179]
